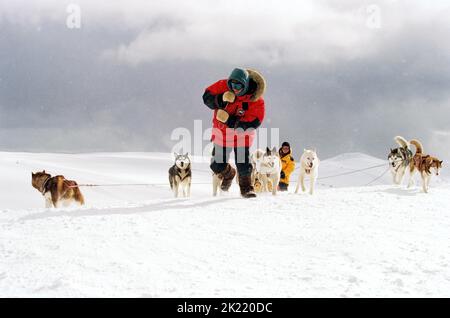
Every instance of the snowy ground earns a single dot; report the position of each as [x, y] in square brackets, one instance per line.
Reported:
[348, 240]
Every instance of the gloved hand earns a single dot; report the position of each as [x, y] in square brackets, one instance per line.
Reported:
[232, 121]
[222, 116]
[228, 97]
[282, 175]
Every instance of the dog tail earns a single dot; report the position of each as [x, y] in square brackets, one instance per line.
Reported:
[418, 145]
[171, 181]
[402, 142]
[77, 195]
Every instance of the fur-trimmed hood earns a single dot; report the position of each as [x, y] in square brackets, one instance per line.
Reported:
[260, 84]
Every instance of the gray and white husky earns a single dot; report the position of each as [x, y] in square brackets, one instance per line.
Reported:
[400, 159]
[180, 175]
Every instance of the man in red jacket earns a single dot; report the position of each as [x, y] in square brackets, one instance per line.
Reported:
[238, 110]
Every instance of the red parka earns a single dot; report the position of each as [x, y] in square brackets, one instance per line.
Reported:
[246, 112]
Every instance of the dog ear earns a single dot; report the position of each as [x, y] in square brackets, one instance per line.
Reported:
[274, 149]
[175, 154]
[43, 171]
[440, 162]
[186, 154]
[267, 151]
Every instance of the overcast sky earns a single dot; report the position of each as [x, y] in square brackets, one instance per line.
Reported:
[343, 76]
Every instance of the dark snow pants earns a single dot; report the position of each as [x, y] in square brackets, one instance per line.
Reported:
[221, 155]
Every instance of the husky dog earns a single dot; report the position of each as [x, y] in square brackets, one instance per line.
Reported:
[217, 183]
[223, 180]
[255, 160]
[423, 164]
[399, 159]
[256, 177]
[269, 169]
[180, 175]
[56, 190]
[309, 165]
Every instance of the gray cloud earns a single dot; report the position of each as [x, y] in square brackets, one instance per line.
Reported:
[136, 70]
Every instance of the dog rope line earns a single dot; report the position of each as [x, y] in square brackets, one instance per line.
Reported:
[165, 184]
[116, 185]
[367, 184]
[127, 184]
[328, 177]
[377, 177]
[351, 172]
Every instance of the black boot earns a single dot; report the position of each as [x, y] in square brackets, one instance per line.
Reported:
[245, 183]
[227, 176]
[282, 186]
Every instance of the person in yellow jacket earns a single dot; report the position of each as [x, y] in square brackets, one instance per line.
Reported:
[287, 165]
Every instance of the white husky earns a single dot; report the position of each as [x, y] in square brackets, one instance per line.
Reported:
[256, 160]
[309, 165]
[269, 169]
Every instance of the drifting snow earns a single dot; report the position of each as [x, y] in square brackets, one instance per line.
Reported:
[347, 240]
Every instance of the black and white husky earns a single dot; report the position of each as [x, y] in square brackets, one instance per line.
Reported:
[180, 175]
[399, 159]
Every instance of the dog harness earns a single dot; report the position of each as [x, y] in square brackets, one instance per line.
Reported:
[44, 190]
[422, 163]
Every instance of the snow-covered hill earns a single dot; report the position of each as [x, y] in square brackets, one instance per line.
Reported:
[346, 240]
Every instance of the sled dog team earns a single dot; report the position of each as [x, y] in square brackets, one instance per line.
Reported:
[402, 159]
[238, 109]
[269, 172]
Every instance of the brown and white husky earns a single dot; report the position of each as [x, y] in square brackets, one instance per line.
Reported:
[423, 164]
[56, 190]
